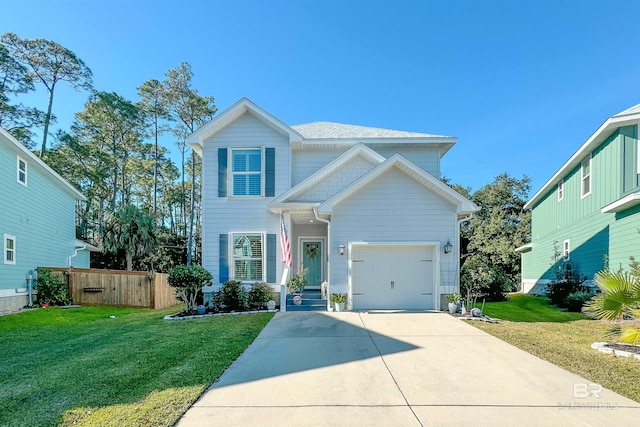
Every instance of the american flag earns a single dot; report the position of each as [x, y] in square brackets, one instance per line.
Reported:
[285, 246]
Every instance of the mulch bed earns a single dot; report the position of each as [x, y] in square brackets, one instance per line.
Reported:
[624, 347]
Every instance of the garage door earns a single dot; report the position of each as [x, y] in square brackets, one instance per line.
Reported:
[392, 277]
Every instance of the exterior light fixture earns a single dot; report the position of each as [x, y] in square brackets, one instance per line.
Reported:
[448, 247]
[341, 248]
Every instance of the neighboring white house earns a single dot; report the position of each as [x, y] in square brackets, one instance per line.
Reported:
[364, 207]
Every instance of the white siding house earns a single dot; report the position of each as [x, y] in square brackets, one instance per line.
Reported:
[374, 192]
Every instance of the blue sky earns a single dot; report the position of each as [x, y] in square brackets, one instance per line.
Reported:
[522, 84]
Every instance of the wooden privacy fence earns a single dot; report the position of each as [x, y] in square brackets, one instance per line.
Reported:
[118, 288]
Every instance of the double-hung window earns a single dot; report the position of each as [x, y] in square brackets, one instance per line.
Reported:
[561, 190]
[248, 257]
[585, 172]
[9, 249]
[248, 172]
[21, 171]
[566, 250]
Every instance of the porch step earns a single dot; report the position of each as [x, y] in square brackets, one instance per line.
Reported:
[311, 301]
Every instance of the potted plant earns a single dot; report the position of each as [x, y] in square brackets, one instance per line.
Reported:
[453, 299]
[296, 284]
[338, 301]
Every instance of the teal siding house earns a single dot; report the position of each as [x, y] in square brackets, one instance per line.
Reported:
[588, 213]
[37, 221]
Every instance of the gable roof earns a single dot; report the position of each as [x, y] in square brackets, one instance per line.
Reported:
[324, 172]
[196, 139]
[16, 147]
[623, 118]
[464, 205]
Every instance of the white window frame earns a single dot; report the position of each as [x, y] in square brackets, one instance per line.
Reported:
[566, 250]
[233, 258]
[233, 173]
[19, 171]
[561, 190]
[8, 250]
[586, 178]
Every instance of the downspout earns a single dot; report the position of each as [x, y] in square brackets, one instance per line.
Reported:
[75, 253]
[328, 222]
[460, 221]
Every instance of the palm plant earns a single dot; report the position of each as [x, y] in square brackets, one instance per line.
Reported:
[131, 230]
[618, 302]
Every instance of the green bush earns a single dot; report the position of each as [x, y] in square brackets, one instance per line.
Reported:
[259, 295]
[51, 290]
[188, 281]
[233, 296]
[566, 282]
[576, 300]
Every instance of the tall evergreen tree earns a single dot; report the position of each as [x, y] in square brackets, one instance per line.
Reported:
[49, 64]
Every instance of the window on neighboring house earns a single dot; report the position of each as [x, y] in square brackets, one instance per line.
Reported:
[561, 190]
[247, 257]
[585, 187]
[21, 172]
[9, 249]
[247, 172]
[566, 250]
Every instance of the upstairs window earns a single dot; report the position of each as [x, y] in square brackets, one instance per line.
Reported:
[561, 190]
[9, 249]
[21, 172]
[566, 250]
[585, 167]
[247, 171]
[247, 257]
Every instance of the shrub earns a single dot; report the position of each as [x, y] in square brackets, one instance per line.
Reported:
[51, 290]
[576, 300]
[565, 283]
[259, 295]
[233, 296]
[188, 281]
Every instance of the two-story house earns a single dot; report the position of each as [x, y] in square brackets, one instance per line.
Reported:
[364, 208]
[37, 221]
[587, 213]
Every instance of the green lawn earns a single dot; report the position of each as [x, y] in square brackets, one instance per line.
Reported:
[526, 308]
[563, 339]
[81, 367]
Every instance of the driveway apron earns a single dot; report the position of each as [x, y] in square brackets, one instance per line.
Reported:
[397, 369]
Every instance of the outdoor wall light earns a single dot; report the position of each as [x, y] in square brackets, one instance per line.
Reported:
[341, 248]
[448, 247]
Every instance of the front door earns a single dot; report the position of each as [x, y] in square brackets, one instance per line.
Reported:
[313, 261]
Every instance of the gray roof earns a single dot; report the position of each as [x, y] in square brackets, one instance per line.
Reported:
[330, 130]
[633, 110]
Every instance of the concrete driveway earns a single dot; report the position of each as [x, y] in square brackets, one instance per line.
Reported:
[398, 369]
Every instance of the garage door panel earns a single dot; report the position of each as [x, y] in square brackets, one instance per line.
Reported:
[392, 277]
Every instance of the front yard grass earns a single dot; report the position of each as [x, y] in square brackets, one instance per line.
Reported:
[563, 339]
[81, 367]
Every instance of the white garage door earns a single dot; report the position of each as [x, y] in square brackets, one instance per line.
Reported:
[392, 277]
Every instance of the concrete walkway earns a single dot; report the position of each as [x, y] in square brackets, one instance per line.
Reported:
[397, 369]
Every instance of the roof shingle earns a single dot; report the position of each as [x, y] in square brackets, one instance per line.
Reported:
[330, 130]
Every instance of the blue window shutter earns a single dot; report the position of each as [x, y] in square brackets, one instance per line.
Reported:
[224, 258]
[270, 172]
[222, 172]
[271, 258]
